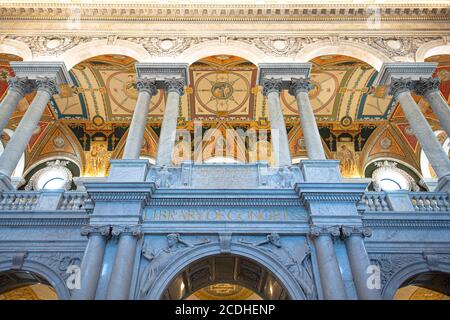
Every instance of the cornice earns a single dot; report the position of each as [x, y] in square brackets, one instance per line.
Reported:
[224, 12]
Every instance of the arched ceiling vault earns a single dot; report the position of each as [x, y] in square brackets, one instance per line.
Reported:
[223, 92]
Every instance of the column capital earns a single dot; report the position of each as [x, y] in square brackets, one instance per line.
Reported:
[423, 86]
[399, 85]
[133, 230]
[47, 84]
[317, 231]
[174, 85]
[348, 231]
[104, 231]
[147, 85]
[20, 84]
[272, 85]
[298, 85]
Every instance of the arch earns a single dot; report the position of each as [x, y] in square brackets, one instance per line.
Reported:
[45, 272]
[215, 47]
[96, 48]
[17, 48]
[432, 48]
[258, 256]
[346, 48]
[411, 270]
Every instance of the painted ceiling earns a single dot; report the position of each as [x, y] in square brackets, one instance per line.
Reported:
[89, 122]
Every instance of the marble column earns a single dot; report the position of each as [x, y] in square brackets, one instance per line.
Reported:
[330, 274]
[429, 89]
[17, 88]
[122, 270]
[359, 262]
[400, 88]
[92, 263]
[46, 88]
[300, 88]
[175, 89]
[280, 145]
[147, 89]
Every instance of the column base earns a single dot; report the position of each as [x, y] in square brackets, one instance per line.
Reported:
[5, 183]
[128, 170]
[443, 184]
[321, 171]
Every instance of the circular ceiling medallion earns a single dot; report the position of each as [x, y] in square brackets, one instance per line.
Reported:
[130, 89]
[222, 93]
[222, 90]
[98, 120]
[346, 121]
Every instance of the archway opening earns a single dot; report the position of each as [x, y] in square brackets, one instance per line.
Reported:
[25, 285]
[225, 277]
[425, 286]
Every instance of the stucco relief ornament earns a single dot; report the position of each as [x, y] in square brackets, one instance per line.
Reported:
[57, 166]
[159, 259]
[299, 267]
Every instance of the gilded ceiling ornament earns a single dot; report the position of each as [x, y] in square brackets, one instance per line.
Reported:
[59, 142]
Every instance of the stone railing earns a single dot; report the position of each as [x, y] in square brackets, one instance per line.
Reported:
[405, 201]
[73, 200]
[425, 201]
[375, 201]
[43, 201]
[17, 200]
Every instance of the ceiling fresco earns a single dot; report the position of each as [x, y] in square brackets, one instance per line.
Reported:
[88, 123]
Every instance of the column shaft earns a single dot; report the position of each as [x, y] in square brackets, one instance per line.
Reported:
[422, 130]
[279, 138]
[91, 267]
[166, 143]
[359, 264]
[440, 108]
[121, 273]
[7, 107]
[300, 88]
[137, 128]
[330, 274]
[16, 146]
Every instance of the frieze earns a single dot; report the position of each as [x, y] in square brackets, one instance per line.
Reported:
[271, 45]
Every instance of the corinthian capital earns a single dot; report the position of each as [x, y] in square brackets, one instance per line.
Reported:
[134, 230]
[426, 85]
[348, 231]
[99, 230]
[20, 84]
[300, 85]
[399, 85]
[174, 85]
[47, 84]
[147, 85]
[271, 85]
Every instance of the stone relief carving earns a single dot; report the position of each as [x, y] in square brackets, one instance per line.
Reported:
[165, 46]
[58, 166]
[299, 267]
[393, 46]
[52, 45]
[388, 166]
[159, 259]
[274, 45]
[390, 264]
[57, 261]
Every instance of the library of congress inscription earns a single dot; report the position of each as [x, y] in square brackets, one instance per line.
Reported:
[177, 214]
